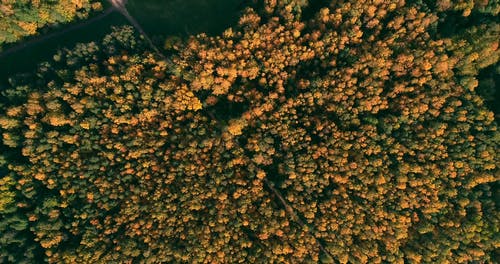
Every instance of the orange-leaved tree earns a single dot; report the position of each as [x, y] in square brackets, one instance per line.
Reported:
[348, 131]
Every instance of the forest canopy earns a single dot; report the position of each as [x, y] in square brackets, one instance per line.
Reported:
[21, 18]
[320, 132]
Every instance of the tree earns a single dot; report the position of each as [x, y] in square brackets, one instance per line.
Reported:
[20, 19]
[353, 134]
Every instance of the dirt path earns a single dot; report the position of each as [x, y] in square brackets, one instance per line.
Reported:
[37, 40]
[120, 6]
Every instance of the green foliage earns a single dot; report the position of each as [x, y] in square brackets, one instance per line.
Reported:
[19, 19]
[15, 244]
[467, 6]
[6, 194]
[347, 134]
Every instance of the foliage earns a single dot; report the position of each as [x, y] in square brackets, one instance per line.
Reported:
[467, 6]
[21, 18]
[367, 124]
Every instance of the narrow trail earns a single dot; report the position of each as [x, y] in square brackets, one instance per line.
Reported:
[32, 42]
[281, 200]
[120, 6]
[289, 209]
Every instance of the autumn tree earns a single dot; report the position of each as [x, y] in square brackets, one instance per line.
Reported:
[348, 131]
[24, 18]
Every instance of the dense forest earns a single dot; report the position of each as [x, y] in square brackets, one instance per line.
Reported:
[311, 131]
[22, 18]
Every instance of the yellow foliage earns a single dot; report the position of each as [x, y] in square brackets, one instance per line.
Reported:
[236, 126]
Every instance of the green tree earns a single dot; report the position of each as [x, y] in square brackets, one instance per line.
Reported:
[24, 18]
[343, 132]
